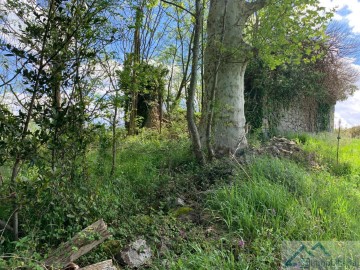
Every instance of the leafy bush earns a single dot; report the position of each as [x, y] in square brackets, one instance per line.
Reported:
[341, 169]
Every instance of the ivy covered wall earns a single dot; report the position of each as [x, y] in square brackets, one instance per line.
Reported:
[291, 98]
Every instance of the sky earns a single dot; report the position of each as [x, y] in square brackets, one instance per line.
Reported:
[348, 12]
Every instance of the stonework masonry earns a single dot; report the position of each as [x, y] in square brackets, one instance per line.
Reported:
[303, 116]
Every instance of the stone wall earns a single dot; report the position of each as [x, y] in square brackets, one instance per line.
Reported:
[303, 116]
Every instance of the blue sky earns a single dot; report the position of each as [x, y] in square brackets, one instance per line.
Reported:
[348, 12]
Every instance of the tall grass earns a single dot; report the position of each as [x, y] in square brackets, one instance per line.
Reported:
[204, 258]
[143, 168]
[283, 201]
[325, 147]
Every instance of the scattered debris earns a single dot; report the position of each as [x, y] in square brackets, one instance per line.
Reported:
[280, 147]
[277, 147]
[137, 254]
[105, 265]
[210, 231]
[179, 202]
[79, 245]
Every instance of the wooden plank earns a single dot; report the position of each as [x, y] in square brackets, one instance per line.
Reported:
[79, 245]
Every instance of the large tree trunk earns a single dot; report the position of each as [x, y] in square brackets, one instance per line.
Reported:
[152, 115]
[229, 115]
[56, 106]
[226, 57]
[114, 145]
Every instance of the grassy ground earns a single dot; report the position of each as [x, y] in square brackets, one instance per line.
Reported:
[234, 218]
[325, 146]
[283, 200]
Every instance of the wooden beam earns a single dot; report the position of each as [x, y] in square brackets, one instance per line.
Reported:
[79, 245]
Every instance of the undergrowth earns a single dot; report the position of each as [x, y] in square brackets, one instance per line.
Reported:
[233, 218]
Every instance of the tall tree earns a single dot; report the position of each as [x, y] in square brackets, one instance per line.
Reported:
[236, 30]
[194, 133]
[135, 62]
[36, 79]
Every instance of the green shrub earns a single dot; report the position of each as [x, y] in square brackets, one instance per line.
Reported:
[301, 138]
[341, 169]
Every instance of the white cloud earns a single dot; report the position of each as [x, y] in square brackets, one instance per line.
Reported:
[340, 120]
[348, 111]
[12, 25]
[352, 5]
[11, 102]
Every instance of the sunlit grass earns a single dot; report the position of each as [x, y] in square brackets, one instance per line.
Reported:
[325, 147]
[282, 200]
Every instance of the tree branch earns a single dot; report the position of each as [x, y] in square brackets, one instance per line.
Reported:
[19, 70]
[254, 6]
[178, 6]
[5, 225]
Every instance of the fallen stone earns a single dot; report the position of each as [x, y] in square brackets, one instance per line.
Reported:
[137, 254]
[179, 202]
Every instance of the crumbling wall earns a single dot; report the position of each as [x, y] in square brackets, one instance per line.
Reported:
[304, 115]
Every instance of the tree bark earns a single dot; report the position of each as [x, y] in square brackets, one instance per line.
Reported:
[136, 61]
[114, 145]
[229, 115]
[56, 105]
[153, 115]
[195, 137]
[226, 56]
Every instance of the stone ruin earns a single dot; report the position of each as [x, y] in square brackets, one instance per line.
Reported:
[304, 116]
